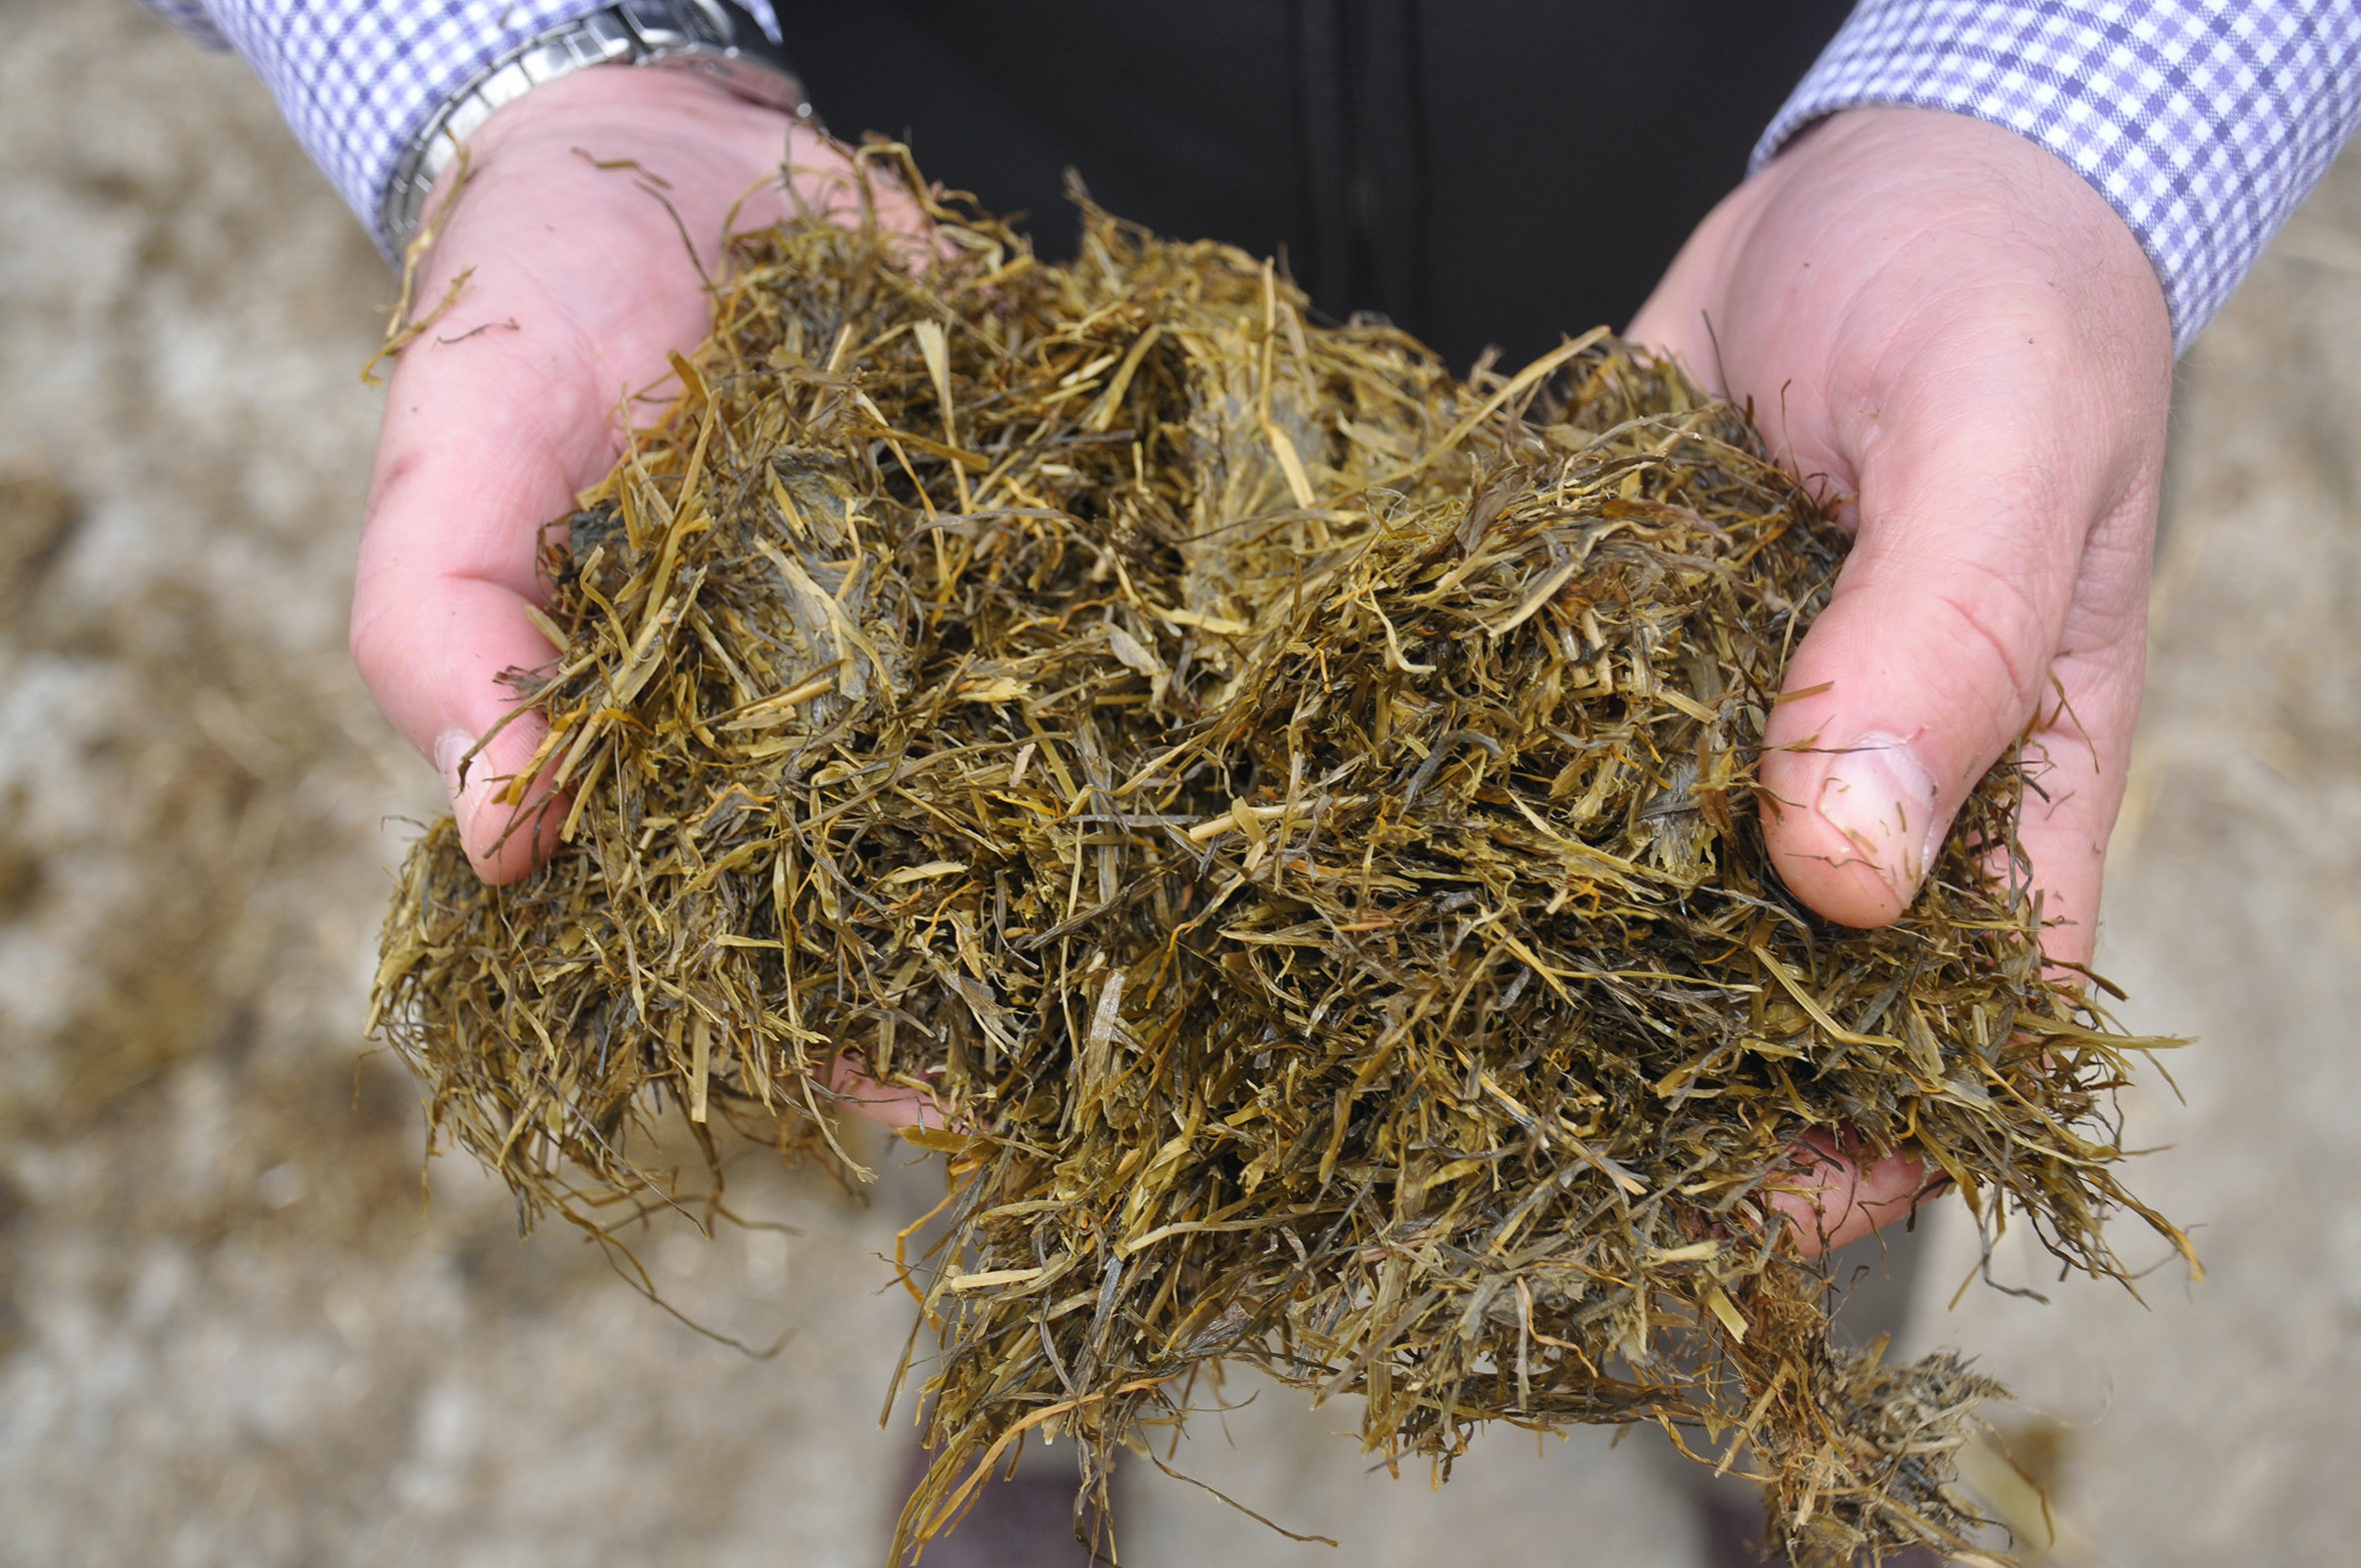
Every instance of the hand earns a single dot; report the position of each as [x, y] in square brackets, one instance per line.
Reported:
[1944, 323]
[579, 284]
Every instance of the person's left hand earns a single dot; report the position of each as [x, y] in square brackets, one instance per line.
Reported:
[1940, 321]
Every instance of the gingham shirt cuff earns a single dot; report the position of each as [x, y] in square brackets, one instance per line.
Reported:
[357, 79]
[2202, 122]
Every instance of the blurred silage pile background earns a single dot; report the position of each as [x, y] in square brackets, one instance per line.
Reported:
[235, 1327]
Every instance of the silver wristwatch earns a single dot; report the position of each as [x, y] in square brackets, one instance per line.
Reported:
[708, 36]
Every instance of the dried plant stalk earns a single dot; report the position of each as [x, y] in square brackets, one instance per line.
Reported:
[1291, 815]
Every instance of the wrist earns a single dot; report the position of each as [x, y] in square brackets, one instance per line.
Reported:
[592, 152]
[714, 39]
[1976, 181]
[660, 110]
[1927, 223]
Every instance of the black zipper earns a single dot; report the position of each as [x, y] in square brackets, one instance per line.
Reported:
[1360, 122]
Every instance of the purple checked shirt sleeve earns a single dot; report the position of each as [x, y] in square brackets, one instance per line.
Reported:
[2202, 122]
[356, 79]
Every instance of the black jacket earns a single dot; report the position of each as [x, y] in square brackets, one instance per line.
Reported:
[1481, 170]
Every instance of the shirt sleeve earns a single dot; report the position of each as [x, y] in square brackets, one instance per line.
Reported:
[2202, 122]
[357, 79]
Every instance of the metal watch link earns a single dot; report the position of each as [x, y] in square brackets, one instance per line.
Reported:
[712, 37]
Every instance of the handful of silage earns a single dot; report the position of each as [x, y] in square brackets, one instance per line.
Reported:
[1292, 813]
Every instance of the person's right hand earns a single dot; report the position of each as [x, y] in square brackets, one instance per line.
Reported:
[579, 286]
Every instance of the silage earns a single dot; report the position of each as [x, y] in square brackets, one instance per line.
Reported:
[1291, 815]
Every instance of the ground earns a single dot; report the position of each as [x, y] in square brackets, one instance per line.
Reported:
[242, 1321]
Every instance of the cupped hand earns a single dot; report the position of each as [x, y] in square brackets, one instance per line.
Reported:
[1943, 323]
[579, 284]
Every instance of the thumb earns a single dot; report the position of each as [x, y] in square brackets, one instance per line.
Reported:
[485, 437]
[441, 627]
[485, 743]
[1986, 581]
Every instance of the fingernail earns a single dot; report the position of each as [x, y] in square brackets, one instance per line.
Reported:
[451, 748]
[1882, 799]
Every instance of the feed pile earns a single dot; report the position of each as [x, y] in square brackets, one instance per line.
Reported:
[1290, 815]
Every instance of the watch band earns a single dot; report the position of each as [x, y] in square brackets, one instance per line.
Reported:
[712, 37]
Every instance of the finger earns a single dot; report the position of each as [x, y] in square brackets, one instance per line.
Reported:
[888, 1106]
[480, 447]
[484, 439]
[1833, 1197]
[1988, 521]
[2076, 758]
